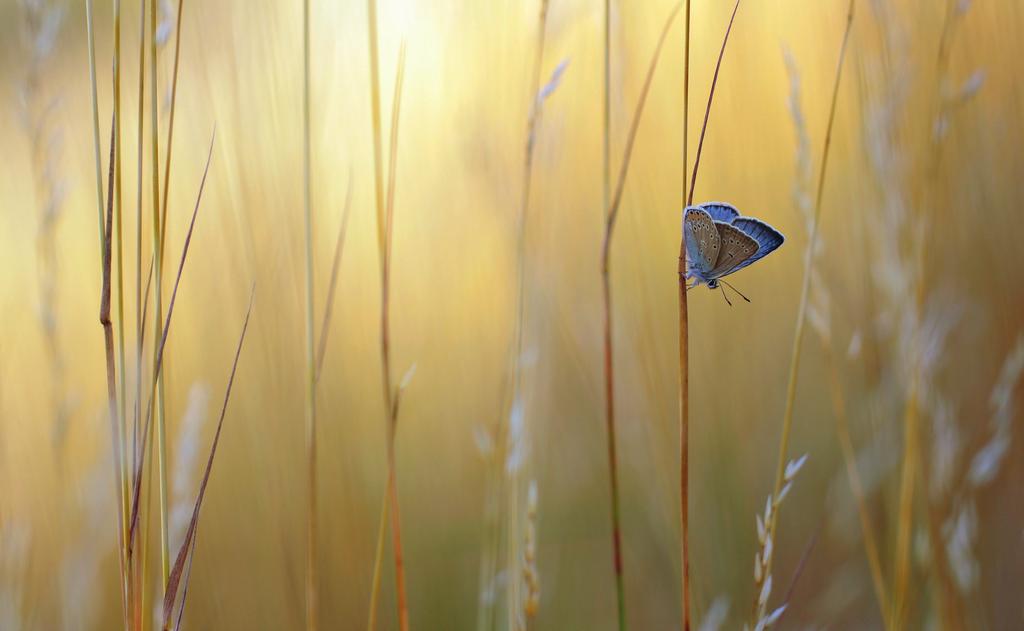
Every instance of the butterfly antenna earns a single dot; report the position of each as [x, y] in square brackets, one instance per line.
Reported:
[727, 301]
[736, 290]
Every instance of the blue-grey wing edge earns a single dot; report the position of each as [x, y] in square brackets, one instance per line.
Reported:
[768, 238]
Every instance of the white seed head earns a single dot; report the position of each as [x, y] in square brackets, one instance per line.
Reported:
[794, 467]
[766, 591]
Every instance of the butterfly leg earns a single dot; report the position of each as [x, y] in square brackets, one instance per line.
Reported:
[727, 301]
[734, 289]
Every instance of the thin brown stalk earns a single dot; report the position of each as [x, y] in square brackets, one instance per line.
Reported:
[684, 360]
[606, 111]
[158, 229]
[794, 363]
[856, 486]
[140, 320]
[339, 246]
[396, 532]
[122, 429]
[108, 339]
[487, 610]
[159, 354]
[170, 121]
[385, 230]
[186, 546]
[711, 98]
[312, 586]
[912, 462]
[609, 381]
[95, 128]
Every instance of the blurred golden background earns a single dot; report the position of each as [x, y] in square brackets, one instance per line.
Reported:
[919, 133]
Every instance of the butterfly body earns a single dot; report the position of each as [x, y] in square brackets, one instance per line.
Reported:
[719, 241]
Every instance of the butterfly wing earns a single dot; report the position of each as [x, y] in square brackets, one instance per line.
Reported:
[702, 240]
[720, 211]
[768, 238]
[736, 249]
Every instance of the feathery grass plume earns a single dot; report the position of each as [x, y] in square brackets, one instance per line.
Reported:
[312, 587]
[41, 27]
[818, 307]
[385, 230]
[15, 548]
[609, 374]
[186, 549]
[822, 326]
[960, 528]
[502, 493]
[925, 203]
[187, 451]
[714, 617]
[80, 578]
[763, 618]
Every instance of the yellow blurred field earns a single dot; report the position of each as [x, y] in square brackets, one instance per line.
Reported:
[925, 150]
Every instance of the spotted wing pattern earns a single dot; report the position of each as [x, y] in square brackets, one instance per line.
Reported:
[768, 238]
[736, 250]
[702, 240]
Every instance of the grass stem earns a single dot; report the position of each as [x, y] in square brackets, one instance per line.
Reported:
[312, 587]
[684, 361]
[609, 374]
[794, 362]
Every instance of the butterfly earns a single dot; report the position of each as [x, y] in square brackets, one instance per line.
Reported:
[719, 242]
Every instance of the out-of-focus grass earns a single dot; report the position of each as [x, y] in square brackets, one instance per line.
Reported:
[453, 301]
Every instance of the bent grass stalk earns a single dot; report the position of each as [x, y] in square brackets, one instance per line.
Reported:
[609, 375]
[108, 339]
[794, 363]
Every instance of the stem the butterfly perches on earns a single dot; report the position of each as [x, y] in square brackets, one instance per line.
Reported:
[684, 372]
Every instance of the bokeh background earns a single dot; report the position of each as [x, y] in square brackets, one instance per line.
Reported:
[916, 140]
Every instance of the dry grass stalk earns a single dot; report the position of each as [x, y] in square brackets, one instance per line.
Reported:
[502, 494]
[609, 375]
[311, 575]
[108, 340]
[187, 546]
[684, 359]
[158, 358]
[339, 247]
[158, 229]
[95, 127]
[683, 320]
[794, 364]
[385, 229]
[913, 466]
